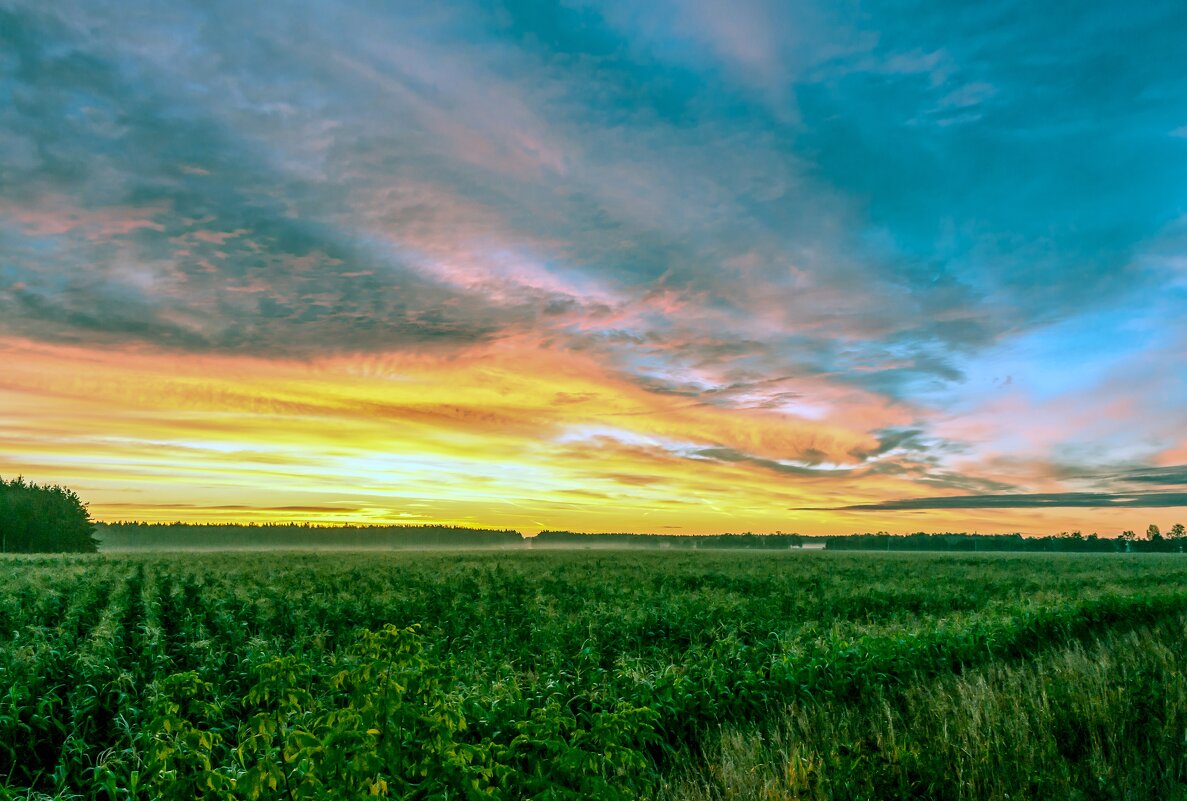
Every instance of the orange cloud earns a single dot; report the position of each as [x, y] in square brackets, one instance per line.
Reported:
[511, 434]
[480, 437]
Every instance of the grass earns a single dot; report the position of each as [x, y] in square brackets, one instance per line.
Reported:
[1104, 720]
[609, 675]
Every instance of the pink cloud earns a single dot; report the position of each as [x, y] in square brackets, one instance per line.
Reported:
[218, 237]
[58, 216]
[256, 285]
[1172, 456]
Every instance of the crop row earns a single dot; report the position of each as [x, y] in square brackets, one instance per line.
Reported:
[555, 677]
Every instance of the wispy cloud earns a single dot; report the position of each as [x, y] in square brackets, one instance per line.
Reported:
[1062, 500]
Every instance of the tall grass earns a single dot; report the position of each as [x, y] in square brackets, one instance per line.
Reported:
[1102, 720]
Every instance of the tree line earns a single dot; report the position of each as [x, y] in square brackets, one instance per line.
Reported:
[1065, 542]
[135, 536]
[1154, 541]
[39, 518]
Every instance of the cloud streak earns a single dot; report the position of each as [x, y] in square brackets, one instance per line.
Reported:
[1062, 500]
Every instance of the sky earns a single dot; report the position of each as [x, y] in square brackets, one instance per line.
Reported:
[676, 267]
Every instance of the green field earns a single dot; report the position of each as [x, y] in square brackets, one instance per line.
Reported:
[593, 674]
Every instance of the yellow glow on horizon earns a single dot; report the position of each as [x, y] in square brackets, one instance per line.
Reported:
[511, 435]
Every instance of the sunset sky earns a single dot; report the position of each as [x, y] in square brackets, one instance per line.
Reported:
[628, 266]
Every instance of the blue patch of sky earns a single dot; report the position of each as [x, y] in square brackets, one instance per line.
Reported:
[1067, 359]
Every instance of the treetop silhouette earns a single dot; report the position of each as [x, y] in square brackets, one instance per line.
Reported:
[38, 518]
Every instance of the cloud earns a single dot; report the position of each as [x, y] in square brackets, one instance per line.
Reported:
[730, 455]
[185, 233]
[1095, 500]
[1173, 475]
[189, 508]
[299, 218]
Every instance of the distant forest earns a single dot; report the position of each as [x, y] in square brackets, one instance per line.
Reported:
[154, 536]
[1154, 541]
[221, 536]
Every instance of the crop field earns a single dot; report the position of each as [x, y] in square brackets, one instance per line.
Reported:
[593, 674]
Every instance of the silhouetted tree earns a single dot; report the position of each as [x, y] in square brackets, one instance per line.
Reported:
[1153, 533]
[1178, 534]
[38, 519]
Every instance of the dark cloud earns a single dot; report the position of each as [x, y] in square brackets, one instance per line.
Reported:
[906, 439]
[1165, 476]
[1096, 500]
[193, 507]
[144, 219]
[935, 476]
[1120, 478]
[629, 479]
[729, 455]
